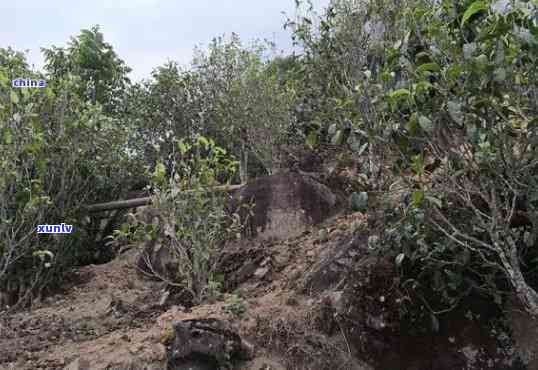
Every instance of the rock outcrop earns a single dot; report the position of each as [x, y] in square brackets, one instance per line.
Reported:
[285, 204]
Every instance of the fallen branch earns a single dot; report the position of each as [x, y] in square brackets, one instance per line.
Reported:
[139, 202]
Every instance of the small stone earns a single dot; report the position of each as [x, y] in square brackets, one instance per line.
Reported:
[261, 272]
[323, 235]
[164, 298]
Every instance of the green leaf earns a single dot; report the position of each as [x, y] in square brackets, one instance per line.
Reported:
[312, 139]
[453, 72]
[474, 8]
[4, 80]
[482, 60]
[33, 147]
[422, 87]
[400, 93]
[412, 125]
[183, 148]
[399, 259]
[421, 55]
[425, 123]
[159, 173]
[332, 129]
[454, 110]
[417, 164]
[499, 75]
[203, 141]
[362, 149]
[14, 97]
[428, 67]
[417, 197]
[8, 137]
[337, 138]
[49, 93]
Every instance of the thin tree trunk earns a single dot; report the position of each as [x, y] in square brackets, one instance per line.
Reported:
[243, 164]
[526, 294]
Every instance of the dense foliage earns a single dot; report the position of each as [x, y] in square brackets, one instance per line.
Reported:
[58, 153]
[445, 93]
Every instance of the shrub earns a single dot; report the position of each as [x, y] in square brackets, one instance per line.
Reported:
[58, 153]
[467, 93]
[193, 221]
[446, 95]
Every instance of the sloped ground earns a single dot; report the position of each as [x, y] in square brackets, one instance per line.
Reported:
[318, 300]
[111, 317]
[88, 320]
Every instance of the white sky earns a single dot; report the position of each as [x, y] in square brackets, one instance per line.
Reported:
[145, 33]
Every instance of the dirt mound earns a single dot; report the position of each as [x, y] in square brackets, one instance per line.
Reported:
[101, 300]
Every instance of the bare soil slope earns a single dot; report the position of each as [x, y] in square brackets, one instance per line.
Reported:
[111, 317]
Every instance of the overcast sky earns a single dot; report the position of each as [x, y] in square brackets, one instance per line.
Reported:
[145, 33]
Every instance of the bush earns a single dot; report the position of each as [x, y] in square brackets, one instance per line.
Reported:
[58, 153]
[192, 222]
[445, 94]
[467, 95]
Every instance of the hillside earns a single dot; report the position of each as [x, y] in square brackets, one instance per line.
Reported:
[318, 299]
[366, 200]
[112, 318]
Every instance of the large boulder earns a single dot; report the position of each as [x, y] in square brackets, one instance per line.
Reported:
[285, 204]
